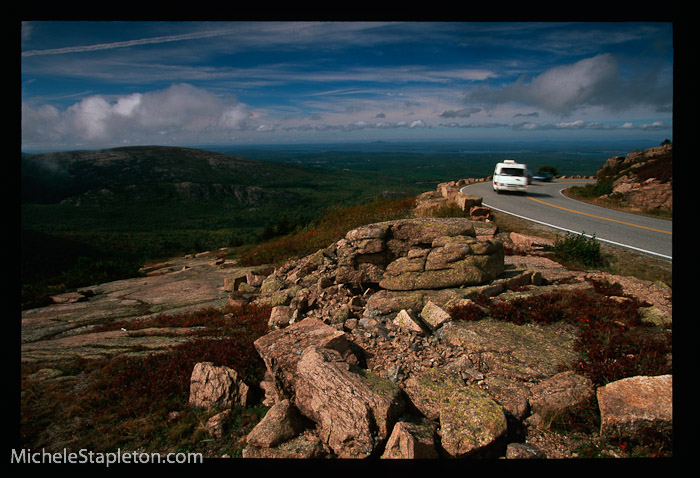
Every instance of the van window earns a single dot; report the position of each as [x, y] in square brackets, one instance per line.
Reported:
[512, 172]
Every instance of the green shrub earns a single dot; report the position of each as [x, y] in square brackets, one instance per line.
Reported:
[579, 249]
[599, 188]
[90, 271]
[549, 169]
[331, 226]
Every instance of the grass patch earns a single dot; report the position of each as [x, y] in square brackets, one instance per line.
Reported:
[594, 190]
[615, 260]
[449, 209]
[596, 195]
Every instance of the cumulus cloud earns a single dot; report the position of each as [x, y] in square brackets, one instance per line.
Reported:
[418, 124]
[475, 125]
[578, 124]
[40, 123]
[463, 113]
[177, 111]
[564, 125]
[565, 89]
[361, 125]
[585, 125]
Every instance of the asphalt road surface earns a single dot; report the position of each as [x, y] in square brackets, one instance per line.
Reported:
[544, 203]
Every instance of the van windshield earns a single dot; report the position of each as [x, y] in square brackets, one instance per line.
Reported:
[512, 172]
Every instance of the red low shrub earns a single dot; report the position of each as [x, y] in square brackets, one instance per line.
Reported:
[613, 343]
[144, 383]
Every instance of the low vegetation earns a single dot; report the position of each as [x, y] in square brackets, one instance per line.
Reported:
[615, 260]
[637, 167]
[613, 343]
[141, 402]
[595, 190]
[610, 329]
[330, 227]
[578, 249]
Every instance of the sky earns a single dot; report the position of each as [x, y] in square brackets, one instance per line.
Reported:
[91, 85]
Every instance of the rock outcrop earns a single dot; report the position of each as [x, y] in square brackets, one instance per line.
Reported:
[641, 180]
[217, 386]
[559, 395]
[403, 259]
[364, 360]
[364, 357]
[412, 440]
[313, 365]
[637, 408]
[449, 195]
[469, 419]
[355, 410]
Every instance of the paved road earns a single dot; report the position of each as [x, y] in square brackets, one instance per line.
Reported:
[544, 203]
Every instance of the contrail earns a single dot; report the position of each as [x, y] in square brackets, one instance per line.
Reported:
[124, 44]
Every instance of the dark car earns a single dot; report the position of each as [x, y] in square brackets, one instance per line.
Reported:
[543, 176]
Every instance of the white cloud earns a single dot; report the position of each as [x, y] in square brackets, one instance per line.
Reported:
[655, 126]
[571, 125]
[39, 124]
[564, 89]
[91, 117]
[177, 111]
[122, 44]
[463, 113]
[591, 82]
[126, 105]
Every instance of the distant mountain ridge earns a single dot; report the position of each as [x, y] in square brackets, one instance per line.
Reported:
[54, 177]
[159, 201]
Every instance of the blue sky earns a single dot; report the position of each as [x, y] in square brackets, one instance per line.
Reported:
[103, 84]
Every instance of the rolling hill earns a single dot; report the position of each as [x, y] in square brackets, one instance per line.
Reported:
[143, 203]
[141, 189]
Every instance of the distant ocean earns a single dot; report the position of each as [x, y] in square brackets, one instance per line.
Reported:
[449, 147]
[445, 159]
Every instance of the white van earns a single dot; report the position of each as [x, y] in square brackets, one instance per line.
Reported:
[510, 176]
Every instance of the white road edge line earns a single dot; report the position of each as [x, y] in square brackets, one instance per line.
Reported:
[580, 233]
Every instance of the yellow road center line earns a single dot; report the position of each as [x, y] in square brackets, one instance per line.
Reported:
[600, 217]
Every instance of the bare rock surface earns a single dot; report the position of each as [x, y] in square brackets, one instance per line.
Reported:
[281, 423]
[642, 180]
[558, 395]
[637, 407]
[470, 420]
[282, 349]
[463, 383]
[214, 386]
[65, 329]
[355, 410]
[412, 440]
[355, 369]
